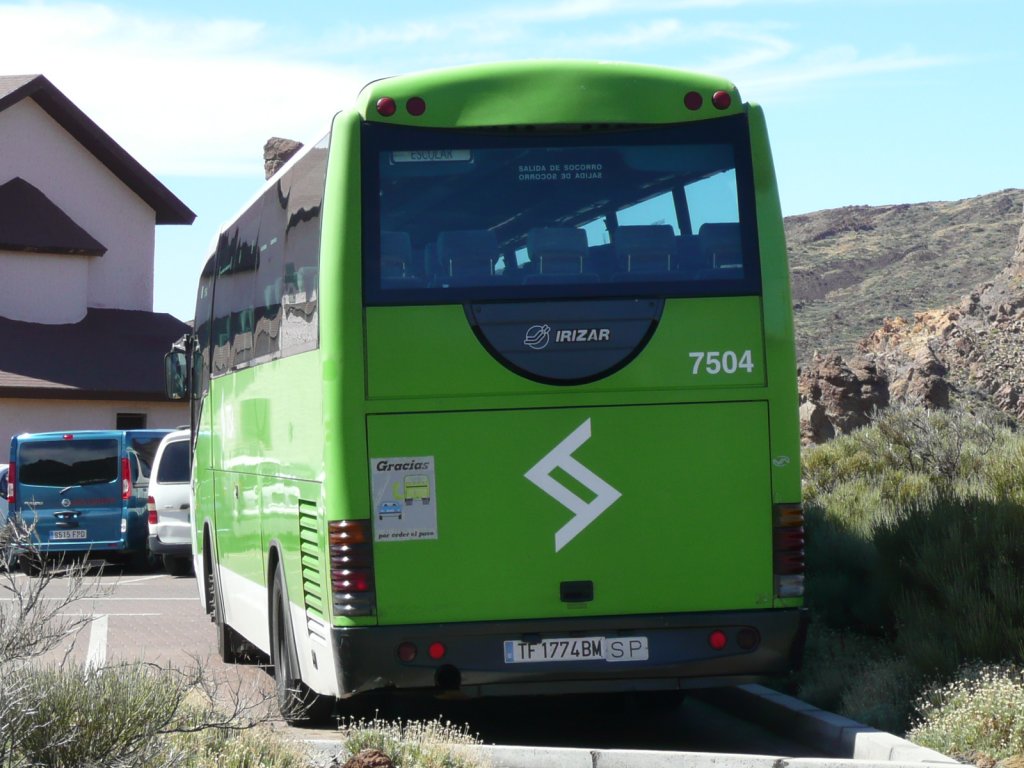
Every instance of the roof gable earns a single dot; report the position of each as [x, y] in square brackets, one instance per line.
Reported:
[30, 221]
[169, 209]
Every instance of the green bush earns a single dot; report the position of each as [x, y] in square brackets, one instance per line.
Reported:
[977, 717]
[843, 587]
[915, 549]
[411, 744]
[127, 716]
[231, 748]
[956, 567]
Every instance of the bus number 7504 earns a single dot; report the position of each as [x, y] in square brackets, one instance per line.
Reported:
[716, 362]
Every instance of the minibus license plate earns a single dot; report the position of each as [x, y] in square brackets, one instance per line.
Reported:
[69, 533]
[576, 649]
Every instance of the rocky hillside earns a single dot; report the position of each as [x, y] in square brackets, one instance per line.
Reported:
[853, 267]
[972, 350]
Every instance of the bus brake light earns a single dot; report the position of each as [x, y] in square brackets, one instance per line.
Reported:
[416, 106]
[352, 578]
[788, 540]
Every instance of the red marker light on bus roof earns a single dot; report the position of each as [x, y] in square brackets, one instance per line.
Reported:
[693, 101]
[386, 106]
[721, 100]
[416, 106]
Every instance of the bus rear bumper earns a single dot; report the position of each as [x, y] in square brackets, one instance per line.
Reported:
[682, 650]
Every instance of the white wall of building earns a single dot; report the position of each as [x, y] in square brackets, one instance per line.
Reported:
[19, 415]
[39, 150]
[43, 288]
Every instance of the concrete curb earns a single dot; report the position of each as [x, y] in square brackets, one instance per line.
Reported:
[853, 744]
[537, 757]
[837, 735]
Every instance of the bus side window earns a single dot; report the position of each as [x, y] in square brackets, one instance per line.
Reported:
[302, 195]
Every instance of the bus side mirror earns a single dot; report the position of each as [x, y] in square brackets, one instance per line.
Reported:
[176, 375]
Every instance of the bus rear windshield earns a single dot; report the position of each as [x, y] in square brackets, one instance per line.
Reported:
[455, 215]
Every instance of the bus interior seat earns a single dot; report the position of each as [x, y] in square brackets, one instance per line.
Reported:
[644, 249]
[395, 254]
[557, 250]
[467, 256]
[688, 256]
[601, 259]
[720, 246]
[397, 268]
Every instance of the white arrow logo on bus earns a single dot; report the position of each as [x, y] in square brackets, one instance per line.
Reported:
[584, 513]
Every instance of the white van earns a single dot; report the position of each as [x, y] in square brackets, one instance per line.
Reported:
[170, 509]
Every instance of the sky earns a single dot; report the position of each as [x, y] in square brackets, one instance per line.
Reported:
[868, 102]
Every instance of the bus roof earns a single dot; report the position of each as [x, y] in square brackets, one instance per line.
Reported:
[544, 92]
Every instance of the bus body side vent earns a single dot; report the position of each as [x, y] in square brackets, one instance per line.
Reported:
[310, 550]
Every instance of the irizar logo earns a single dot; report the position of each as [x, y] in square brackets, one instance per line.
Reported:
[538, 336]
[584, 513]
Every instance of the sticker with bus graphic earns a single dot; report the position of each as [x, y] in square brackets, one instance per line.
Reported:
[403, 498]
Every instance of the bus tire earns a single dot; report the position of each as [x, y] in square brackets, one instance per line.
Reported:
[229, 644]
[298, 704]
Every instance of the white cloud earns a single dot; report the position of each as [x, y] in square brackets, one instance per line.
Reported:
[834, 64]
[183, 97]
[190, 96]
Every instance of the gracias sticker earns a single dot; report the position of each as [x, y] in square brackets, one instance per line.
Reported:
[404, 498]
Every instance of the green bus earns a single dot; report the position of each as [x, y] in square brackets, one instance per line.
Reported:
[494, 393]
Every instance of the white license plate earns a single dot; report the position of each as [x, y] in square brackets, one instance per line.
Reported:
[69, 533]
[576, 649]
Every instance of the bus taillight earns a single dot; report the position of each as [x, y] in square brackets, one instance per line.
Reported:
[351, 567]
[415, 106]
[721, 99]
[788, 550]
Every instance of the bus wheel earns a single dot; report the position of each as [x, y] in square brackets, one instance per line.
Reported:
[229, 644]
[298, 704]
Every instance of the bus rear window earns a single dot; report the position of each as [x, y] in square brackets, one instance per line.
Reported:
[60, 463]
[467, 216]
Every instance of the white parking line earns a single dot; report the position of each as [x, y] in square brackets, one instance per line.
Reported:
[115, 599]
[142, 578]
[109, 614]
[97, 653]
